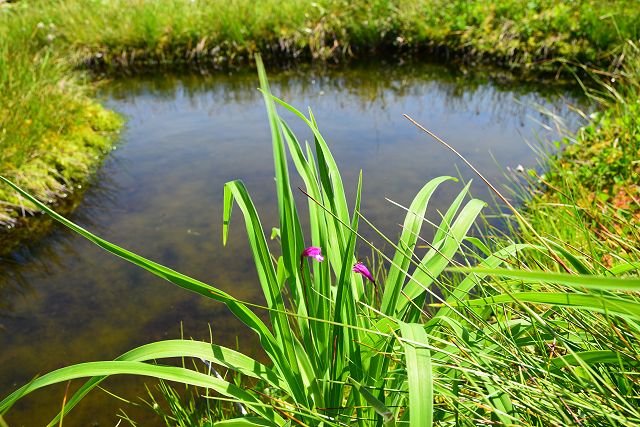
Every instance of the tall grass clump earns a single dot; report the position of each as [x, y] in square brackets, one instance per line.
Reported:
[490, 341]
[527, 33]
[590, 192]
[52, 134]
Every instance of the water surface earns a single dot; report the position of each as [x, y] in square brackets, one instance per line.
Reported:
[159, 193]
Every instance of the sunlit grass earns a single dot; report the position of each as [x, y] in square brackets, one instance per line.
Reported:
[503, 340]
[52, 133]
[516, 340]
[587, 198]
[121, 32]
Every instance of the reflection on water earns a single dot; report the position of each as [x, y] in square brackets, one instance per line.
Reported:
[64, 301]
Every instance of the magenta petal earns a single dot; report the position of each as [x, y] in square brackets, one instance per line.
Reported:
[360, 268]
[312, 252]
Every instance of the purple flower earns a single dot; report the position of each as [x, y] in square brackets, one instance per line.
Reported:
[360, 268]
[312, 252]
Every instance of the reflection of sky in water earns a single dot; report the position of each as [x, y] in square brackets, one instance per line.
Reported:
[160, 194]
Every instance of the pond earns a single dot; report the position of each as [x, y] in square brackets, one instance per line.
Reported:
[159, 193]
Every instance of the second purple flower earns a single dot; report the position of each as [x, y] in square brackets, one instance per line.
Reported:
[360, 268]
[312, 252]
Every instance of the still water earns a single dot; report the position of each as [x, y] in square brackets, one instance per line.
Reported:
[159, 193]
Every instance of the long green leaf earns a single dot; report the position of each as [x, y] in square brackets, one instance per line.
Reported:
[419, 374]
[435, 261]
[463, 289]
[346, 352]
[592, 357]
[602, 304]
[169, 373]
[571, 280]
[242, 422]
[292, 241]
[249, 318]
[388, 419]
[186, 348]
[286, 361]
[410, 232]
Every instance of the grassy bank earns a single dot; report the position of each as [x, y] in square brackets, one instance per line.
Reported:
[512, 32]
[589, 195]
[53, 132]
[515, 346]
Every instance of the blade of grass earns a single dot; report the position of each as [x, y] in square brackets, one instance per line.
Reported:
[571, 280]
[419, 375]
[169, 373]
[597, 303]
[406, 246]
[186, 348]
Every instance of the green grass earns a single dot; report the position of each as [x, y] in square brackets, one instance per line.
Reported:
[516, 341]
[589, 194]
[497, 342]
[53, 133]
[517, 32]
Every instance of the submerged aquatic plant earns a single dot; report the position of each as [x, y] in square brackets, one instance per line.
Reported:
[494, 344]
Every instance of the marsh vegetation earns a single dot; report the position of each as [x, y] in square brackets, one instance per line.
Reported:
[531, 320]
